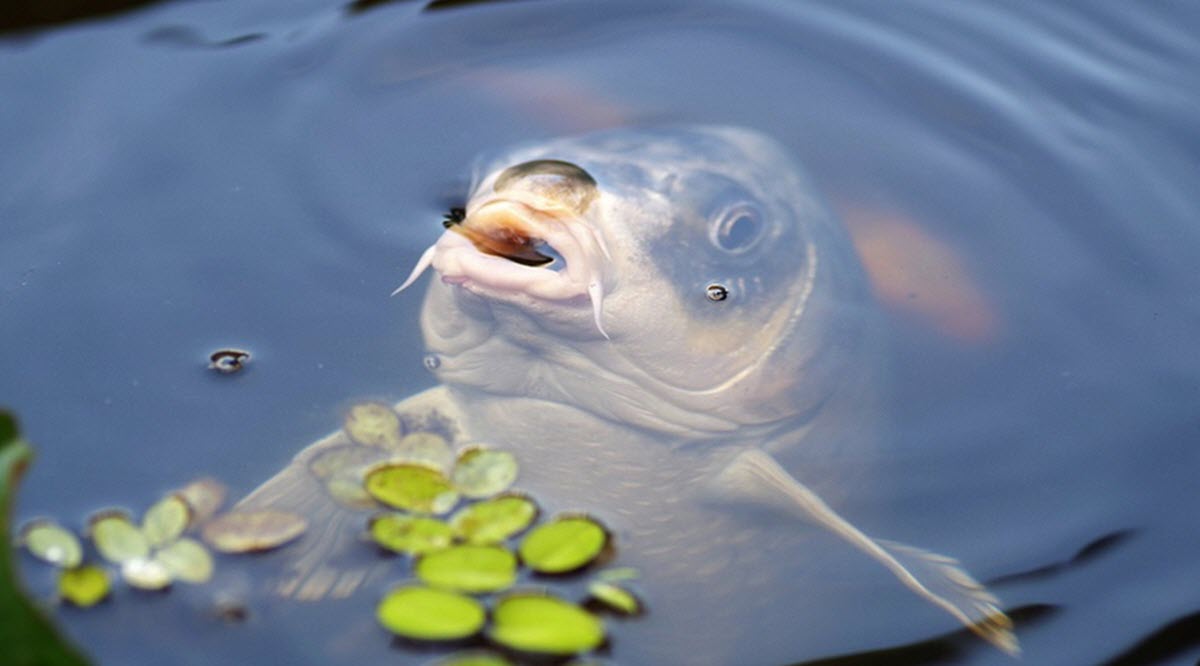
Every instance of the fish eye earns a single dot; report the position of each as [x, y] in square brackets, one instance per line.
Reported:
[556, 180]
[737, 228]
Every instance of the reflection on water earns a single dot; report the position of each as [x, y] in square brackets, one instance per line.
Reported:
[1026, 170]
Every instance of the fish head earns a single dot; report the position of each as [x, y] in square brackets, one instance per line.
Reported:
[687, 280]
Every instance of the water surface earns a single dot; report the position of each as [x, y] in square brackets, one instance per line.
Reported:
[261, 174]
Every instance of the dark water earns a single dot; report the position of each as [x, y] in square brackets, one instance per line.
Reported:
[261, 174]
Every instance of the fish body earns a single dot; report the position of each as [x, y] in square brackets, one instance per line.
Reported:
[669, 330]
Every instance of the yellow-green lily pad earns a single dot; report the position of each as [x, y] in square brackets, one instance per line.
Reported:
[423, 613]
[482, 472]
[117, 539]
[50, 542]
[565, 544]
[145, 574]
[411, 487]
[186, 560]
[494, 520]
[414, 535]
[473, 658]
[614, 597]
[544, 624]
[469, 568]
[166, 520]
[84, 586]
[373, 424]
[426, 448]
[253, 531]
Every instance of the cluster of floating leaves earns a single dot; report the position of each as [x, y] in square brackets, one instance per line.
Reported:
[150, 554]
[466, 562]
[154, 552]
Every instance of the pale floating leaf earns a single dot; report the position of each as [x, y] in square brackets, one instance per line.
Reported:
[414, 535]
[615, 597]
[482, 472]
[204, 497]
[411, 487]
[253, 531]
[564, 544]
[427, 448]
[117, 539]
[423, 613]
[349, 493]
[618, 574]
[544, 624]
[468, 568]
[343, 469]
[350, 461]
[84, 586]
[186, 560]
[494, 520]
[166, 520]
[373, 424]
[50, 542]
[145, 574]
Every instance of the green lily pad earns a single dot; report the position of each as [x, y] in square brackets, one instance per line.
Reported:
[186, 560]
[544, 624]
[482, 472]
[469, 568]
[565, 544]
[494, 520]
[117, 539]
[253, 531]
[614, 597]
[50, 542]
[414, 535]
[423, 613]
[84, 586]
[427, 448]
[204, 497]
[411, 487]
[473, 658]
[373, 424]
[145, 574]
[166, 520]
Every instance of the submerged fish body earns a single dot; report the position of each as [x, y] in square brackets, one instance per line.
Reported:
[666, 326]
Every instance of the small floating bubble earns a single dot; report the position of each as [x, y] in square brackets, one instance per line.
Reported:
[228, 361]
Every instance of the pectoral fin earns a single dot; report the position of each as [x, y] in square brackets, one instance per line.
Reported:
[328, 560]
[755, 476]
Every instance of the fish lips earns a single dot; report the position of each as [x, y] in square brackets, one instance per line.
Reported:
[496, 252]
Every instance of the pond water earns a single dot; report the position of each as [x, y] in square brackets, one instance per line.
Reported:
[1021, 180]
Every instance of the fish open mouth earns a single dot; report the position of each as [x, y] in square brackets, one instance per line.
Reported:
[514, 244]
